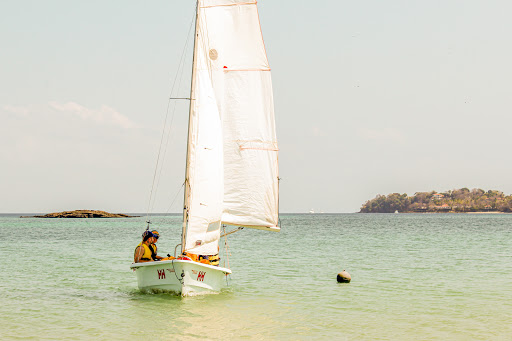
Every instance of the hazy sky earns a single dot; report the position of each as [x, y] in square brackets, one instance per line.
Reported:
[371, 97]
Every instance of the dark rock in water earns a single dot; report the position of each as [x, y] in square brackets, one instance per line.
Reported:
[81, 214]
[343, 277]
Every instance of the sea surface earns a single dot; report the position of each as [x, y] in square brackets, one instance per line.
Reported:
[414, 277]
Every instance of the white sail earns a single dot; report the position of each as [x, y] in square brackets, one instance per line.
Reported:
[241, 81]
[205, 162]
[231, 172]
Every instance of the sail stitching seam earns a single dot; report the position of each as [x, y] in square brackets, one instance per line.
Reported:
[229, 5]
[228, 70]
[272, 146]
[252, 148]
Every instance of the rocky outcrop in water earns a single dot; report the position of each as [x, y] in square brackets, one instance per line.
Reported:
[81, 214]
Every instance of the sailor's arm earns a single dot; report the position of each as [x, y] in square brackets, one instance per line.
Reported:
[138, 254]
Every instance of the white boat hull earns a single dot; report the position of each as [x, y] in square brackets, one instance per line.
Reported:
[183, 277]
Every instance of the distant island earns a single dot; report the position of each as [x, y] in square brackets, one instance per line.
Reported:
[454, 201]
[81, 214]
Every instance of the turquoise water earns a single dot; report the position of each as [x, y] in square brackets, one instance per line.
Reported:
[414, 277]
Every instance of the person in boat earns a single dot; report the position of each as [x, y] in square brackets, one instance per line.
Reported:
[142, 252]
[152, 246]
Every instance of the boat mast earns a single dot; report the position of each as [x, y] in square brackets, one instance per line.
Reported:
[191, 108]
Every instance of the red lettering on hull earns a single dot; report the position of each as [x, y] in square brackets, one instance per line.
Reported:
[161, 274]
[200, 276]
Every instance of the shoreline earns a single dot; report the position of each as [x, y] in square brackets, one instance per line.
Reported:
[450, 212]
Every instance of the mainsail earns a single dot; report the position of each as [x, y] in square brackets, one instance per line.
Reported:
[232, 159]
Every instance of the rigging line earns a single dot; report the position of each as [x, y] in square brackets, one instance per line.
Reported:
[224, 230]
[226, 245]
[231, 232]
[173, 200]
[170, 131]
[165, 149]
[187, 189]
[225, 253]
[165, 122]
[180, 74]
[181, 70]
[201, 43]
[175, 274]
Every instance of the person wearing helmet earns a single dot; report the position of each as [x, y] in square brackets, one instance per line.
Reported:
[142, 252]
[152, 246]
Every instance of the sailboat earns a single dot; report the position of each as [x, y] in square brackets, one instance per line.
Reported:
[231, 173]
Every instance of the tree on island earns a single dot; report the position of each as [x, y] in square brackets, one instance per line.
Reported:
[82, 214]
[453, 201]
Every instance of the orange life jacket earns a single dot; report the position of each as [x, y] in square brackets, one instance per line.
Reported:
[210, 260]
